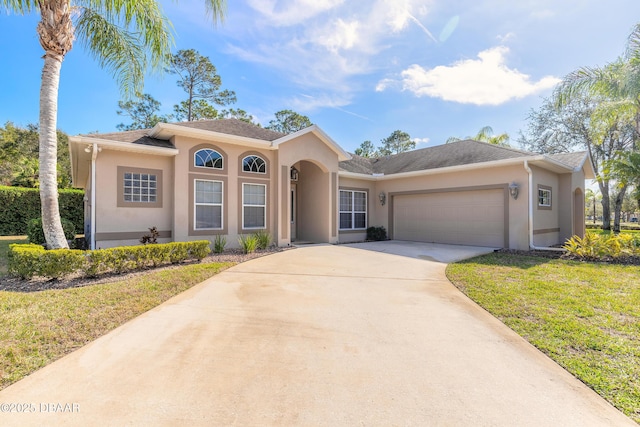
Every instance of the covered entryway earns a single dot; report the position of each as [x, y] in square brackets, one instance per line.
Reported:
[471, 217]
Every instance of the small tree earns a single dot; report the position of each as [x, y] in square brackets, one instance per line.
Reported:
[199, 78]
[239, 114]
[200, 110]
[288, 121]
[366, 149]
[397, 142]
[142, 111]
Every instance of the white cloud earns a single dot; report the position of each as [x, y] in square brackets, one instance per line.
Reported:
[483, 81]
[340, 35]
[421, 141]
[307, 103]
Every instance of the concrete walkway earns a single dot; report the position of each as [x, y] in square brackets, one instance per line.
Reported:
[316, 336]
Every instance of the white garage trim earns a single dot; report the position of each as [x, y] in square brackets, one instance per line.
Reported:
[503, 187]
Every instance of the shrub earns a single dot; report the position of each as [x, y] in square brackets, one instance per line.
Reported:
[595, 246]
[219, 244]
[152, 237]
[19, 205]
[263, 239]
[248, 243]
[376, 233]
[31, 260]
[36, 235]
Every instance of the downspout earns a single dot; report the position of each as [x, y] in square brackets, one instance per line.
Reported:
[531, 245]
[94, 155]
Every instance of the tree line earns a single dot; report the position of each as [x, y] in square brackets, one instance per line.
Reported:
[597, 109]
[202, 84]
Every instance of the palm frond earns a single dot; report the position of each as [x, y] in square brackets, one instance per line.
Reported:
[484, 134]
[633, 44]
[19, 6]
[115, 49]
[141, 17]
[576, 83]
[216, 9]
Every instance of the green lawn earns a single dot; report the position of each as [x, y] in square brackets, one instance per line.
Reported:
[585, 316]
[39, 327]
[5, 241]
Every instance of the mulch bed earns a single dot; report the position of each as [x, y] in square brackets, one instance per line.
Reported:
[16, 284]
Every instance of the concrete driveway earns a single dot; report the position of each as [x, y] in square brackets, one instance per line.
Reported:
[315, 336]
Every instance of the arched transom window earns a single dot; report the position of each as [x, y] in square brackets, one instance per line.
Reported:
[255, 164]
[208, 158]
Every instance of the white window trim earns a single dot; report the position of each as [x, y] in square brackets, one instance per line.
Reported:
[353, 211]
[196, 204]
[263, 206]
[544, 190]
[207, 167]
[264, 162]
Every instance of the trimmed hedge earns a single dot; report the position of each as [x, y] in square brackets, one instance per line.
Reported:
[35, 233]
[19, 205]
[29, 260]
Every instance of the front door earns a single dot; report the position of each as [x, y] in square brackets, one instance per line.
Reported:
[294, 212]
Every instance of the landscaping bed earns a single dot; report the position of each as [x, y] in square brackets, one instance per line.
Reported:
[16, 284]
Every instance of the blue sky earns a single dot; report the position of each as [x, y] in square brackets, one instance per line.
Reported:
[359, 69]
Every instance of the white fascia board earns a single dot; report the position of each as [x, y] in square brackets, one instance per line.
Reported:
[315, 129]
[166, 131]
[587, 164]
[450, 169]
[124, 146]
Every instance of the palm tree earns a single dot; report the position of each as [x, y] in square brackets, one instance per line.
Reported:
[485, 135]
[616, 86]
[122, 35]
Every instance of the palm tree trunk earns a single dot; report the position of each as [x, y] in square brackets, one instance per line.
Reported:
[51, 224]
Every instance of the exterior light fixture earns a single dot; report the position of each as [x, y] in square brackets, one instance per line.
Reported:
[87, 149]
[514, 189]
[294, 174]
[382, 197]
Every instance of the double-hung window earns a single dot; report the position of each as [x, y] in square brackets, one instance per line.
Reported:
[544, 197]
[353, 210]
[254, 206]
[208, 205]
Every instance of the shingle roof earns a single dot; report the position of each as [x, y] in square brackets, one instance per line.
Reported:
[227, 126]
[573, 160]
[453, 154]
[234, 127]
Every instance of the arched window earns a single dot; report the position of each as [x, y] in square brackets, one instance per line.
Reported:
[208, 158]
[255, 164]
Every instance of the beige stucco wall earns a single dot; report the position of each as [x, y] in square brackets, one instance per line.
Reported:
[126, 225]
[546, 222]
[232, 178]
[373, 208]
[316, 189]
[476, 178]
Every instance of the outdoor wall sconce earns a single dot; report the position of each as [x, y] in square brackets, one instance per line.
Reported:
[514, 189]
[88, 149]
[382, 197]
[294, 174]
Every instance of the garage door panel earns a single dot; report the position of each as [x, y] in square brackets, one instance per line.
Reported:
[464, 217]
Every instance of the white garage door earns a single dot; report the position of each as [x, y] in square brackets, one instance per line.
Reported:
[473, 218]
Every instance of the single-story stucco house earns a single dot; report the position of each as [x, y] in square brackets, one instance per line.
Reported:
[196, 180]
